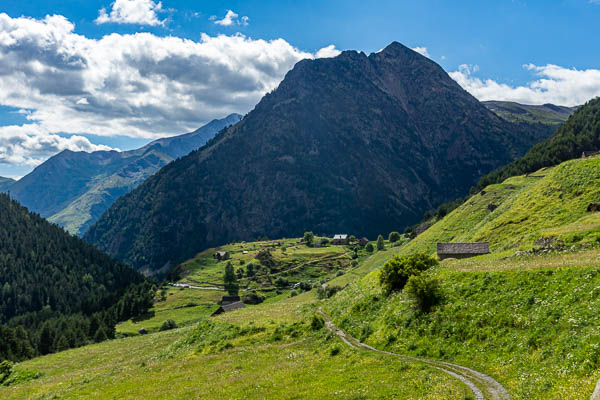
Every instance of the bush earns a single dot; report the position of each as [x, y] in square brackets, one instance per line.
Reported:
[394, 237]
[281, 282]
[326, 291]
[340, 273]
[335, 350]
[324, 242]
[424, 291]
[5, 370]
[369, 247]
[168, 324]
[252, 298]
[396, 272]
[317, 322]
[293, 293]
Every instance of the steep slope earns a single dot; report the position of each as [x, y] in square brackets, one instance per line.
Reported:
[580, 133]
[513, 215]
[5, 183]
[48, 275]
[73, 189]
[359, 144]
[546, 114]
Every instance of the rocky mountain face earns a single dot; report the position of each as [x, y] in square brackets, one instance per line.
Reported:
[73, 189]
[353, 144]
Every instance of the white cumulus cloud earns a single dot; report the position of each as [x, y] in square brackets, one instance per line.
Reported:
[327, 52]
[142, 12]
[552, 84]
[422, 51]
[138, 85]
[31, 144]
[231, 18]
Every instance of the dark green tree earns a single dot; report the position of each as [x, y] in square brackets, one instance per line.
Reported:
[230, 280]
[380, 243]
[394, 237]
[309, 237]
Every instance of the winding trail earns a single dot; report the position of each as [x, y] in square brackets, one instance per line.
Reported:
[483, 387]
[596, 394]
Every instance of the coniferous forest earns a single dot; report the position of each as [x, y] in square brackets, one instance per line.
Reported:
[56, 291]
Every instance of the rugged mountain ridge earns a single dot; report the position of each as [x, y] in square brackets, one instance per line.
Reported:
[356, 143]
[73, 189]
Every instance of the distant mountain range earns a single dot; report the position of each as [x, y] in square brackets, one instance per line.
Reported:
[547, 114]
[352, 144]
[5, 183]
[73, 189]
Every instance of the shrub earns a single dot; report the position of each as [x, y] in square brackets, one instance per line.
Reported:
[351, 238]
[369, 247]
[5, 370]
[424, 291]
[339, 273]
[281, 282]
[324, 242]
[396, 272]
[168, 324]
[380, 243]
[293, 293]
[326, 291]
[394, 237]
[252, 298]
[317, 322]
[335, 350]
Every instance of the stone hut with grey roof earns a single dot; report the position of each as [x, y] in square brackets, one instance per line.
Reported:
[462, 250]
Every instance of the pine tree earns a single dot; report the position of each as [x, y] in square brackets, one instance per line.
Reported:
[380, 243]
[230, 280]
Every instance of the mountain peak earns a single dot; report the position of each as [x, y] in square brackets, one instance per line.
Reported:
[354, 144]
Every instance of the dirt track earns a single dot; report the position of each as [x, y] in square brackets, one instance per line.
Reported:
[482, 386]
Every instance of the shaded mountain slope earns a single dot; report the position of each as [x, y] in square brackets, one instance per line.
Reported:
[73, 189]
[358, 144]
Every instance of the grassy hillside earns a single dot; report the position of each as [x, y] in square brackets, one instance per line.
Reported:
[291, 261]
[512, 215]
[533, 328]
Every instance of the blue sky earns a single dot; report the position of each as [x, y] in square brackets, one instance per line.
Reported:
[86, 79]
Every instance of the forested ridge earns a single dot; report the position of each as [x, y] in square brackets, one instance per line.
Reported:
[57, 291]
